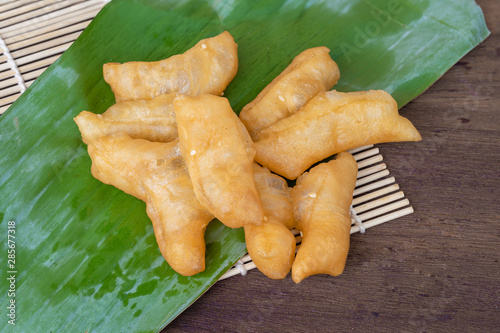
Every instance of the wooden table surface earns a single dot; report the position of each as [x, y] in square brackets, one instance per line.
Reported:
[436, 270]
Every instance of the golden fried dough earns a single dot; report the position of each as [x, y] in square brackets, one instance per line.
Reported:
[219, 154]
[272, 245]
[330, 123]
[321, 201]
[153, 120]
[311, 72]
[206, 68]
[156, 173]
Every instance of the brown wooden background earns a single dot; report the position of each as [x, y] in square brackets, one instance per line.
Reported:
[436, 270]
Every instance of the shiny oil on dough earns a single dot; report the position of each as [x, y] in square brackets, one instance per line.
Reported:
[330, 123]
[153, 120]
[272, 245]
[311, 72]
[206, 68]
[321, 201]
[156, 173]
[219, 154]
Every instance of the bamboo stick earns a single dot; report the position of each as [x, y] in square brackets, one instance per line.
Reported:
[383, 210]
[371, 178]
[33, 75]
[35, 49]
[376, 194]
[22, 14]
[370, 170]
[379, 202]
[4, 66]
[54, 17]
[38, 64]
[4, 108]
[6, 75]
[9, 99]
[60, 23]
[42, 54]
[373, 186]
[246, 258]
[388, 217]
[28, 83]
[365, 154]
[355, 150]
[20, 7]
[11, 90]
[7, 83]
[6, 5]
[235, 271]
[370, 161]
[49, 35]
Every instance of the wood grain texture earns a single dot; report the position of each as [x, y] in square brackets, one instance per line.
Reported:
[435, 270]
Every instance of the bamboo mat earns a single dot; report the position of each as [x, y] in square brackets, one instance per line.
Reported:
[33, 34]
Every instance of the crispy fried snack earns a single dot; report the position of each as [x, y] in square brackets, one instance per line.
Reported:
[272, 245]
[219, 154]
[206, 68]
[156, 174]
[311, 72]
[321, 201]
[153, 120]
[330, 123]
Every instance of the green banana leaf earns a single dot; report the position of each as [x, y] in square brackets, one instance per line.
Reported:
[85, 253]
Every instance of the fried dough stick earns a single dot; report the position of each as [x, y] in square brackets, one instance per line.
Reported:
[330, 123]
[156, 173]
[152, 120]
[219, 154]
[272, 245]
[321, 201]
[206, 68]
[311, 72]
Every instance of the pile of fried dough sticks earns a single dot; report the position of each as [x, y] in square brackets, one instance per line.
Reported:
[172, 141]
